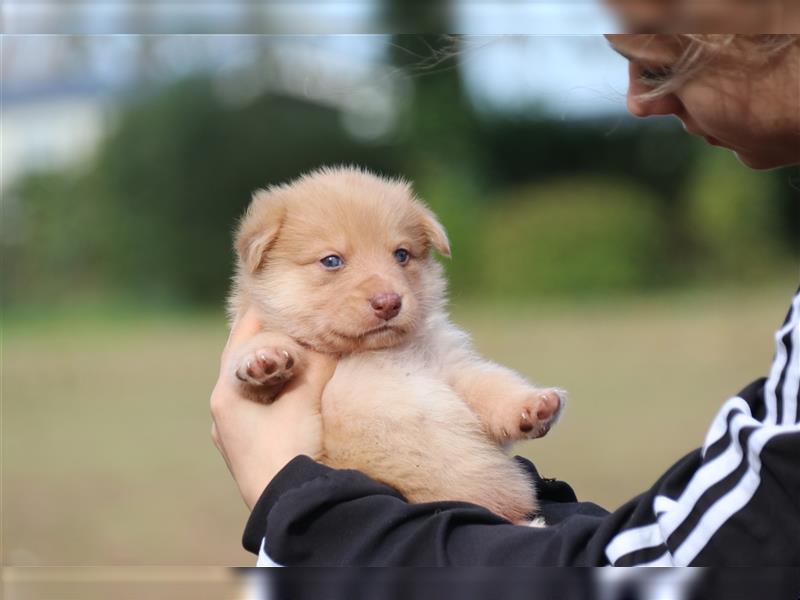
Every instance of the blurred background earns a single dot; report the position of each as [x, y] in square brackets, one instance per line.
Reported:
[619, 259]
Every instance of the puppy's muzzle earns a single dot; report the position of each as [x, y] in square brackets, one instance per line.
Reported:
[386, 306]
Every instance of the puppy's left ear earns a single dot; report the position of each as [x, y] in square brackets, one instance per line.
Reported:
[434, 231]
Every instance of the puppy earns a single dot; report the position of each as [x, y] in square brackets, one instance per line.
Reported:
[340, 261]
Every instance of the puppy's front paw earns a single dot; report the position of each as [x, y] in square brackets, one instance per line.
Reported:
[531, 414]
[268, 366]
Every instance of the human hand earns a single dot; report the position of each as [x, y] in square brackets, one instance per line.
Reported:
[257, 440]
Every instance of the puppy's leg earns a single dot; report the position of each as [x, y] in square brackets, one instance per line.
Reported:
[412, 431]
[509, 407]
[265, 363]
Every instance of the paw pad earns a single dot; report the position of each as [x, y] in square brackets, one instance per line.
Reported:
[266, 367]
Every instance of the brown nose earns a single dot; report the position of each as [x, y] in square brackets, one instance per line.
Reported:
[386, 306]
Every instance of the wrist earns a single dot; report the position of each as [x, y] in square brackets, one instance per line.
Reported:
[261, 477]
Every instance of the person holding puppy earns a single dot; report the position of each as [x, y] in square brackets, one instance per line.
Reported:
[735, 501]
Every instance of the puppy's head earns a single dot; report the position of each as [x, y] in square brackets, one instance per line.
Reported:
[341, 259]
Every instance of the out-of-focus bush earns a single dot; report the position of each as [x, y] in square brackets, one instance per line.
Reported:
[734, 218]
[573, 235]
[533, 205]
[182, 168]
[57, 233]
[456, 201]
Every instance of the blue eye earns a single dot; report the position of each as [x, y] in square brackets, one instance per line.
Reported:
[401, 255]
[332, 262]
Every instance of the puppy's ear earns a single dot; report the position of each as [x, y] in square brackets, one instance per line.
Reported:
[434, 231]
[259, 228]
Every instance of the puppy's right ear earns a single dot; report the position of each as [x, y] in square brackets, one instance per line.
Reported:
[434, 230]
[259, 229]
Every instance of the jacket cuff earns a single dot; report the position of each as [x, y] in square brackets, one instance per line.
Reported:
[296, 472]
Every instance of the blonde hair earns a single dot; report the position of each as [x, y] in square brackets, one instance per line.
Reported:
[698, 51]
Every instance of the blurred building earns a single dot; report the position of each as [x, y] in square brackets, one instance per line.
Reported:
[50, 127]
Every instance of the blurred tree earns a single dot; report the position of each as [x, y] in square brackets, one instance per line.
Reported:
[531, 204]
[788, 198]
[439, 128]
[183, 166]
[735, 218]
[161, 201]
[52, 238]
[655, 155]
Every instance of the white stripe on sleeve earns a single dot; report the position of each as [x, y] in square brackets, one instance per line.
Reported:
[263, 558]
[779, 364]
[791, 384]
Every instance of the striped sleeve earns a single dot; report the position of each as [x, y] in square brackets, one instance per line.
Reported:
[737, 500]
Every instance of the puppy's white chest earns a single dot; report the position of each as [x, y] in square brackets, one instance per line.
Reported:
[382, 390]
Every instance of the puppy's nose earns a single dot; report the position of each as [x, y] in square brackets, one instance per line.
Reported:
[386, 306]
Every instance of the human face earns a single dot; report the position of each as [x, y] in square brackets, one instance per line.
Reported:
[752, 110]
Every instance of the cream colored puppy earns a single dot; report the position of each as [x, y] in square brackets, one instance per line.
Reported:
[340, 261]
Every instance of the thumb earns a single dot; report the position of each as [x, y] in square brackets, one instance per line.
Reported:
[245, 327]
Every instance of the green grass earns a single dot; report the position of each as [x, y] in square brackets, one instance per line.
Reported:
[106, 451]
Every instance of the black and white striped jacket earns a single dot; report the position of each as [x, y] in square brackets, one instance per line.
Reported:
[735, 501]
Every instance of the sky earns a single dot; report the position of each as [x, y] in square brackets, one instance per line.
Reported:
[572, 76]
[295, 16]
[515, 56]
[562, 63]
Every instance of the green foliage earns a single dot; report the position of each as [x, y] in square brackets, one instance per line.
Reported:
[733, 217]
[456, 203]
[153, 215]
[150, 218]
[573, 235]
[55, 236]
[182, 168]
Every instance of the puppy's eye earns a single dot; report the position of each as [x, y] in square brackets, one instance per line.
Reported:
[332, 262]
[401, 255]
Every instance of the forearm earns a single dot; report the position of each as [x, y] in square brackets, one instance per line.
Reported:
[312, 515]
[348, 519]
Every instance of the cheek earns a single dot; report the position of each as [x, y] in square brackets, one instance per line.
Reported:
[716, 111]
[411, 279]
[332, 297]
[426, 283]
[339, 296]
[290, 289]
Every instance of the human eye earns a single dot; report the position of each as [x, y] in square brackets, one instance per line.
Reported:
[654, 76]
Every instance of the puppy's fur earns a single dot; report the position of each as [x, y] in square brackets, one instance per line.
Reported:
[410, 403]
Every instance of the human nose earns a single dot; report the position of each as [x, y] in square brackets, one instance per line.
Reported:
[639, 106]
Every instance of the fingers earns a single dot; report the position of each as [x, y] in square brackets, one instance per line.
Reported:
[245, 327]
[311, 380]
[215, 436]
